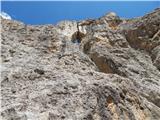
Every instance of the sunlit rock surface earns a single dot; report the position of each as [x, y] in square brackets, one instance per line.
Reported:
[103, 69]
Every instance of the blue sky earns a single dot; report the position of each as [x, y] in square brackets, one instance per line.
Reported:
[52, 12]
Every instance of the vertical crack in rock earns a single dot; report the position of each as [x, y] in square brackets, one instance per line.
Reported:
[77, 36]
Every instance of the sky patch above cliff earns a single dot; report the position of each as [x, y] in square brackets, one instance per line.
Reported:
[52, 12]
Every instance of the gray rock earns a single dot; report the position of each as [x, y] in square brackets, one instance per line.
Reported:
[103, 69]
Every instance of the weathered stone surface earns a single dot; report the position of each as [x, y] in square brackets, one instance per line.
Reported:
[143, 33]
[103, 69]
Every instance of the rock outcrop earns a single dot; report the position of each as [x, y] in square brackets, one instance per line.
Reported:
[103, 69]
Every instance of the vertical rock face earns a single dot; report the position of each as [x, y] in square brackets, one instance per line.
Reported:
[103, 69]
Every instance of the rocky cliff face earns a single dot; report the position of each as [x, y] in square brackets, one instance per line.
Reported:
[103, 69]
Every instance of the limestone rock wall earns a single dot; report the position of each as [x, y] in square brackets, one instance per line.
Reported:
[103, 69]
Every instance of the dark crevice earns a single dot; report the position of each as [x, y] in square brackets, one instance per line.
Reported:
[77, 36]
